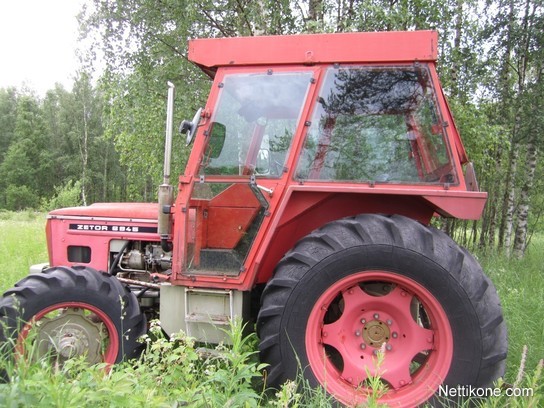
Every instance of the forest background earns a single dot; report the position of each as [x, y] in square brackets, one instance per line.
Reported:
[103, 139]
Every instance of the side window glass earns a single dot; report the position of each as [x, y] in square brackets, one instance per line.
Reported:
[257, 115]
[376, 125]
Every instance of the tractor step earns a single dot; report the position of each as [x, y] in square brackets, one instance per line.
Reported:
[204, 314]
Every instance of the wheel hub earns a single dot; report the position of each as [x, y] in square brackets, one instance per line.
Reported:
[72, 342]
[70, 333]
[375, 333]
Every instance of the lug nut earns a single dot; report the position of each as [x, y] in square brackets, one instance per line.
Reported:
[389, 322]
[357, 333]
[363, 346]
[376, 316]
[363, 321]
[395, 335]
[388, 347]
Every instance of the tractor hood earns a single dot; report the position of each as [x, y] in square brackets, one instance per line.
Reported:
[84, 235]
[131, 211]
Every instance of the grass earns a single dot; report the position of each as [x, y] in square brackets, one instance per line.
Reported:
[22, 244]
[520, 284]
[173, 373]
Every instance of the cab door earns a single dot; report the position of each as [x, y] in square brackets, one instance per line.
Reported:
[242, 168]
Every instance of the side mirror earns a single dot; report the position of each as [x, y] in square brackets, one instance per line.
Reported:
[190, 127]
[218, 134]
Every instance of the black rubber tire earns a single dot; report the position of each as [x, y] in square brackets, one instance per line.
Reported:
[37, 292]
[388, 243]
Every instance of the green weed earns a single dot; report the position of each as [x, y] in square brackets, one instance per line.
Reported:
[22, 244]
[520, 284]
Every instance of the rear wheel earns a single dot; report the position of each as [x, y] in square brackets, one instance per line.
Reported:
[374, 284]
[69, 312]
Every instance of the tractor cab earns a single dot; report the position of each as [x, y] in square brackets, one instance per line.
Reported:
[292, 115]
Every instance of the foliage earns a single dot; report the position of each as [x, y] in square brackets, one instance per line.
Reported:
[171, 371]
[481, 135]
[26, 157]
[20, 198]
[68, 195]
[8, 115]
[54, 141]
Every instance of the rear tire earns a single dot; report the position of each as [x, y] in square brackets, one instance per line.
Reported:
[370, 283]
[72, 312]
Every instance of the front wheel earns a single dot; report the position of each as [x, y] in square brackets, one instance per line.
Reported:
[374, 286]
[68, 312]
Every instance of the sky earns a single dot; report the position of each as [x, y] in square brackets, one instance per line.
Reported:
[38, 41]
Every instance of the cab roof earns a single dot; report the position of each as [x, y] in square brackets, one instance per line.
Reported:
[310, 49]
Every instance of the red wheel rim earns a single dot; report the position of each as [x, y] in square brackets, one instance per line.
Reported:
[377, 310]
[96, 318]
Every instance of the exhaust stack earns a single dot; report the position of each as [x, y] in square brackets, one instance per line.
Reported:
[166, 191]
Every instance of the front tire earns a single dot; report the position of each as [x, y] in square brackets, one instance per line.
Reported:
[374, 283]
[70, 312]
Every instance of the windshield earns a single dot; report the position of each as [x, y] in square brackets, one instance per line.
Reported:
[376, 124]
[258, 115]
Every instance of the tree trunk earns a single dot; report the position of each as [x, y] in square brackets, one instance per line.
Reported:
[505, 113]
[315, 16]
[523, 212]
[105, 178]
[84, 154]
[510, 196]
[531, 152]
[456, 52]
[344, 15]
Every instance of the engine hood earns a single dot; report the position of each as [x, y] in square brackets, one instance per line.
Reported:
[148, 211]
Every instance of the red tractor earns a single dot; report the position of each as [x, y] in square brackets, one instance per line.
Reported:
[317, 165]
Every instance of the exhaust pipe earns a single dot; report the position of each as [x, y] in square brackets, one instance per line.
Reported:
[166, 191]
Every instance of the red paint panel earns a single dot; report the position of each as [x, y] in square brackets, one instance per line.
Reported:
[311, 49]
[95, 234]
[95, 225]
[237, 195]
[113, 210]
[227, 226]
[465, 208]
[229, 215]
[316, 209]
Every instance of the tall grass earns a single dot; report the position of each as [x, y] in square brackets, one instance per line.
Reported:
[520, 284]
[174, 373]
[171, 373]
[22, 244]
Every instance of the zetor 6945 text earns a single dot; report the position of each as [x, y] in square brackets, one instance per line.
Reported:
[316, 167]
